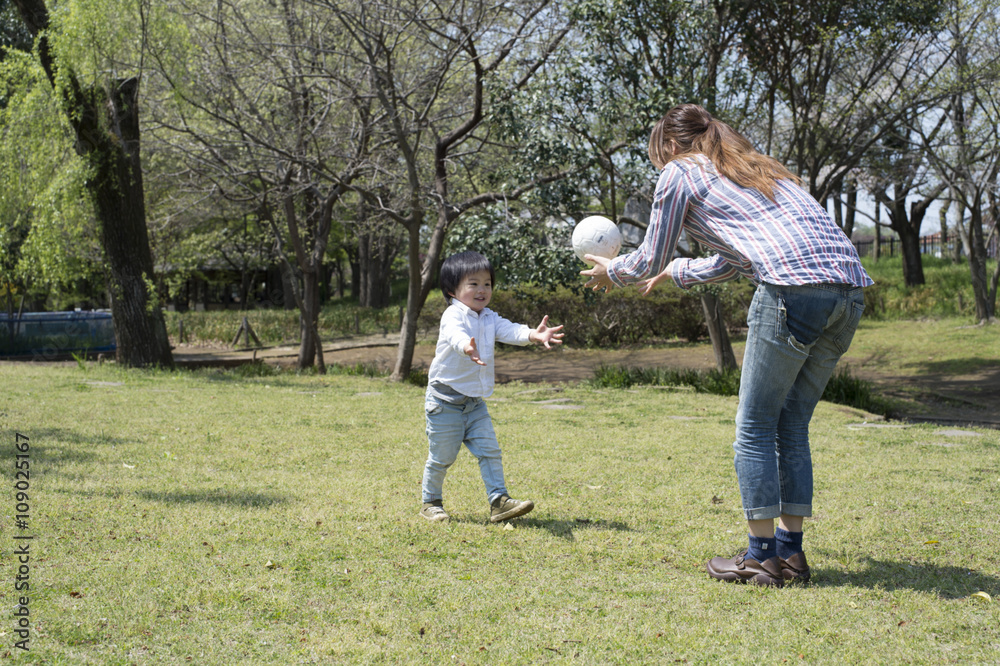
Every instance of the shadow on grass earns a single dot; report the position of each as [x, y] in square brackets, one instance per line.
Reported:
[947, 582]
[53, 447]
[220, 497]
[987, 368]
[565, 528]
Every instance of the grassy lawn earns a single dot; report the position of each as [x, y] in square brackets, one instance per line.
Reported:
[951, 346]
[212, 519]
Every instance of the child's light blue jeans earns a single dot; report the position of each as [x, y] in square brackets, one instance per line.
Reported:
[796, 336]
[448, 427]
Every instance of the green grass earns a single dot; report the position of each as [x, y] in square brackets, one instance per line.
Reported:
[947, 291]
[158, 500]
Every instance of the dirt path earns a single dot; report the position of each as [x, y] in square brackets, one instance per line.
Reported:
[561, 364]
[964, 399]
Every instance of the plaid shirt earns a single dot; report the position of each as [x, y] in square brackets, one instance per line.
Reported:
[791, 242]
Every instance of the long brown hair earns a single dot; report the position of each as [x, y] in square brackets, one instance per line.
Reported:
[689, 129]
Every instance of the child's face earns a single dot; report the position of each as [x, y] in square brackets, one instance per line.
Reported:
[475, 290]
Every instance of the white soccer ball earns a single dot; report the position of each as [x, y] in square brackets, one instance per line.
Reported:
[596, 235]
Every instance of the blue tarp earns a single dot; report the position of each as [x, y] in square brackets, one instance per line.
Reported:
[55, 334]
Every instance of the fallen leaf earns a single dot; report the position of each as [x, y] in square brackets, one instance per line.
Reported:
[931, 541]
[981, 595]
[270, 565]
[508, 527]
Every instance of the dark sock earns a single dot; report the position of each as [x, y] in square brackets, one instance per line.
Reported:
[789, 543]
[761, 549]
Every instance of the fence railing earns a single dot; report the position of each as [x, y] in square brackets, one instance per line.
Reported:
[892, 246]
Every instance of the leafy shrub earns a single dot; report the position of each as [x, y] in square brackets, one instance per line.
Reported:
[843, 388]
[622, 317]
[275, 327]
[255, 369]
[947, 291]
[716, 382]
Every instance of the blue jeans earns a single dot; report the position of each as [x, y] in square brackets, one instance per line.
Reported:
[448, 427]
[796, 336]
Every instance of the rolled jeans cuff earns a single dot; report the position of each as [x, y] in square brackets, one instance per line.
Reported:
[772, 512]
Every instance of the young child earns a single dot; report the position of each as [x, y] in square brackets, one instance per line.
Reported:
[461, 375]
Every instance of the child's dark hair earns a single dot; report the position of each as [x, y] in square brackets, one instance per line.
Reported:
[457, 266]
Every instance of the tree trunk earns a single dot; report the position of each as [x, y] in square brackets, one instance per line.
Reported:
[994, 284]
[311, 348]
[375, 265]
[106, 124]
[288, 290]
[913, 268]
[117, 188]
[907, 227]
[943, 220]
[338, 275]
[977, 266]
[852, 209]
[415, 298]
[838, 206]
[246, 285]
[725, 359]
[355, 280]
[877, 249]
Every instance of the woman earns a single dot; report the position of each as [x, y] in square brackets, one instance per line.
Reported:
[750, 211]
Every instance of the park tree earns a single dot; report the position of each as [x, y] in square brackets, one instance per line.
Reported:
[103, 112]
[434, 70]
[898, 177]
[962, 145]
[48, 239]
[523, 251]
[376, 243]
[834, 78]
[14, 35]
[841, 84]
[268, 110]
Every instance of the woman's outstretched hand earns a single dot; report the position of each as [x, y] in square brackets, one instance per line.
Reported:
[599, 278]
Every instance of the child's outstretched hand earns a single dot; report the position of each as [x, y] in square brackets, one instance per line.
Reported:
[545, 334]
[472, 352]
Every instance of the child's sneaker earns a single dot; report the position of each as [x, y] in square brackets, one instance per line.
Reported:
[434, 511]
[504, 508]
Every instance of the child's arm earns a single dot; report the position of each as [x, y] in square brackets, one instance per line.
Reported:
[472, 352]
[546, 334]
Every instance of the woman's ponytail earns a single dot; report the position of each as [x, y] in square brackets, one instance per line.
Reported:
[689, 129]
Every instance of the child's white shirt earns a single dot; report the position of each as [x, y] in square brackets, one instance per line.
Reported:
[453, 367]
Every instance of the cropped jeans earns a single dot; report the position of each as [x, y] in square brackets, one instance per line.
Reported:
[449, 425]
[796, 336]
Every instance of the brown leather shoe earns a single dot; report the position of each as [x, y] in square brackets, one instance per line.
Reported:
[795, 569]
[743, 569]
